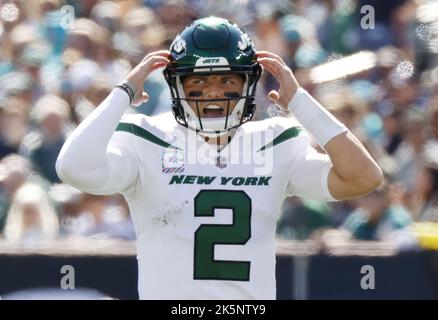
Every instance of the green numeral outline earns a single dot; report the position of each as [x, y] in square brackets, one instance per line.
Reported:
[208, 235]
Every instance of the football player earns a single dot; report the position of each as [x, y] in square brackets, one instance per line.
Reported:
[204, 217]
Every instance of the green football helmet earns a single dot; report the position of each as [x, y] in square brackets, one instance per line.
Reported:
[212, 46]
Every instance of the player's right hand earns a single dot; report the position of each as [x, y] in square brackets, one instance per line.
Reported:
[138, 75]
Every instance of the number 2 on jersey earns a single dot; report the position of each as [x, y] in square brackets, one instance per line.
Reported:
[207, 235]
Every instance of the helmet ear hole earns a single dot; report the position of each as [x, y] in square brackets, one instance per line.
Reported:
[257, 72]
[177, 111]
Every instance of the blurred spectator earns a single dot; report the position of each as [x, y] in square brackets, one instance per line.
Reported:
[378, 215]
[410, 153]
[176, 14]
[303, 50]
[392, 137]
[99, 89]
[14, 172]
[424, 204]
[13, 125]
[434, 116]
[338, 32]
[67, 203]
[31, 217]
[83, 8]
[341, 210]
[43, 144]
[268, 32]
[28, 50]
[345, 106]
[300, 219]
[89, 215]
[144, 29]
[107, 14]
[143, 32]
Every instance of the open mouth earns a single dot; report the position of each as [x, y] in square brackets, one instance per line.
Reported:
[213, 111]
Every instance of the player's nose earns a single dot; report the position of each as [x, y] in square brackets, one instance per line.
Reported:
[213, 91]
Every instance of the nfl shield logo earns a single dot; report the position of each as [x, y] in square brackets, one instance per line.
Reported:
[221, 162]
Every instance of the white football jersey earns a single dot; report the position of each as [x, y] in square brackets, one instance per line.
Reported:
[205, 219]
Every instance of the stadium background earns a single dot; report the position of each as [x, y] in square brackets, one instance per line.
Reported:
[374, 64]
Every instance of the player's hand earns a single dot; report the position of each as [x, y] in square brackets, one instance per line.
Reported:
[151, 62]
[275, 65]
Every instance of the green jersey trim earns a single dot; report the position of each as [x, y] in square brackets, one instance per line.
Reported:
[284, 136]
[144, 134]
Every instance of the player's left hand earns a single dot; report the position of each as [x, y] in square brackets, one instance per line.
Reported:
[275, 65]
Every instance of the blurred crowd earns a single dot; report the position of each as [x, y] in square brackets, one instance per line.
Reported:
[375, 69]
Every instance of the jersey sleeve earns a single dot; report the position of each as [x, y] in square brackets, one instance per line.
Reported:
[95, 159]
[308, 172]
[123, 164]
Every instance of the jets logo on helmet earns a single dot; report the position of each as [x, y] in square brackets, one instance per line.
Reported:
[219, 64]
[212, 46]
[178, 45]
[245, 42]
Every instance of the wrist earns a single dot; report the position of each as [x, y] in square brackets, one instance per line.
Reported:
[131, 85]
[294, 101]
[292, 88]
[128, 88]
[319, 122]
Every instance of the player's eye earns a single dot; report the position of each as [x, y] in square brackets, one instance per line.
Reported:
[198, 81]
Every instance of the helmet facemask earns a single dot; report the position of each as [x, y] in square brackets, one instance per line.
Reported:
[214, 126]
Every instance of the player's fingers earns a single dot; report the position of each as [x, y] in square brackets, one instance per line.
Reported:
[271, 67]
[273, 96]
[280, 72]
[140, 100]
[155, 59]
[163, 53]
[262, 53]
[272, 56]
[275, 64]
[151, 63]
[267, 54]
[270, 60]
[158, 65]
